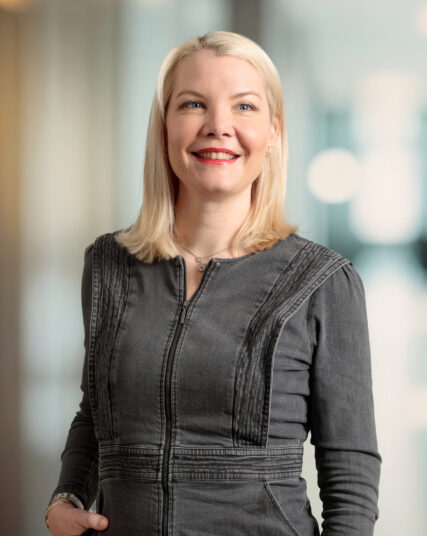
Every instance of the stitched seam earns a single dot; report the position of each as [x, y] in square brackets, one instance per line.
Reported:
[127, 283]
[245, 378]
[307, 316]
[235, 422]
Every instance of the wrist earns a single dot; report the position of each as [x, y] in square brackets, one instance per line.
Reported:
[52, 505]
[66, 498]
[66, 495]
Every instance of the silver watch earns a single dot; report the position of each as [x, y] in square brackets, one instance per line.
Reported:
[71, 497]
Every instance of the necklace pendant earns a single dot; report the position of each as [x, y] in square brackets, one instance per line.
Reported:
[198, 259]
[202, 266]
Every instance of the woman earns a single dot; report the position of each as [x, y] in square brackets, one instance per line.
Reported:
[203, 374]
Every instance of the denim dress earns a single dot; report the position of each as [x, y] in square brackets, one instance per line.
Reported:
[194, 413]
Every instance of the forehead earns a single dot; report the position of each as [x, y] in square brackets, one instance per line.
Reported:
[205, 70]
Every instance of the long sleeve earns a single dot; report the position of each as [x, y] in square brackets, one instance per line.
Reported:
[341, 408]
[79, 459]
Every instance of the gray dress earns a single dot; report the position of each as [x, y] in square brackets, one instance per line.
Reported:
[194, 413]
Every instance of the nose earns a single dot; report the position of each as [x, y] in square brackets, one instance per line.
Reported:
[218, 122]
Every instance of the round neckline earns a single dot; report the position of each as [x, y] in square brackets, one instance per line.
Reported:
[228, 259]
[234, 259]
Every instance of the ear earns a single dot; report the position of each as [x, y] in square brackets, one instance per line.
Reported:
[274, 131]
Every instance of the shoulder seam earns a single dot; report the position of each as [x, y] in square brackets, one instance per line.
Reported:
[325, 249]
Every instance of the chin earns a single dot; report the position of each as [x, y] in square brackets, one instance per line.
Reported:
[217, 186]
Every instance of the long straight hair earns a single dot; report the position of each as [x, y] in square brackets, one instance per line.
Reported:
[151, 236]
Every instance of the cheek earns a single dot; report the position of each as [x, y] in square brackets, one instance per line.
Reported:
[172, 139]
[180, 133]
[255, 138]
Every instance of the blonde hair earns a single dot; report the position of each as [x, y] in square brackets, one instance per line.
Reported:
[151, 236]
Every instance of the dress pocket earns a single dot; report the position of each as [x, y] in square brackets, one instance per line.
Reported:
[279, 508]
[228, 508]
[131, 506]
[290, 500]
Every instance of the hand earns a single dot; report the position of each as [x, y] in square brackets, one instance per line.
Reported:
[67, 520]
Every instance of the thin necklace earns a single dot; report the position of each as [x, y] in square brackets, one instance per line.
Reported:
[199, 259]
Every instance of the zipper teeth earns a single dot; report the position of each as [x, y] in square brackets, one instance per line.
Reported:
[165, 463]
[168, 405]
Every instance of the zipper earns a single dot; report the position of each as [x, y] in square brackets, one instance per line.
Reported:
[168, 411]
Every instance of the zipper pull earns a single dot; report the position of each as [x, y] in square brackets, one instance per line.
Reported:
[183, 312]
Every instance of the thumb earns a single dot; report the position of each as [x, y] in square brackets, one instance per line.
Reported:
[89, 520]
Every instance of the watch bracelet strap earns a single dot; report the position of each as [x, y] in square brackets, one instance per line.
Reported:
[64, 495]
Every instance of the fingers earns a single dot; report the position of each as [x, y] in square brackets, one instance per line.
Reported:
[90, 520]
[67, 520]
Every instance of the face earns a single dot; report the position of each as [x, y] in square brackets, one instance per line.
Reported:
[205, 114]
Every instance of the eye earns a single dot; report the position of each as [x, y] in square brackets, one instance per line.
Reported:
[186, 104]
[251, 106]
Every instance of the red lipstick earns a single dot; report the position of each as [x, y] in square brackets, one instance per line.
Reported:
[215, 161]
[216, 150]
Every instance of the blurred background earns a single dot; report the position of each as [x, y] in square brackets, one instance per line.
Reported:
[77, 78]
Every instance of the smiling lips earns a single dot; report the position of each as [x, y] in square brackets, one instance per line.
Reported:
[216, 156]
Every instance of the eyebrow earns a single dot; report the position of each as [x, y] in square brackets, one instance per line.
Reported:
[241, 94]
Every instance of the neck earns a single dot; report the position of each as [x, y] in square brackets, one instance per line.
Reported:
[205, 227]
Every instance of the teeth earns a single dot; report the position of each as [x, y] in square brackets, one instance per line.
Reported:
[217, 156]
